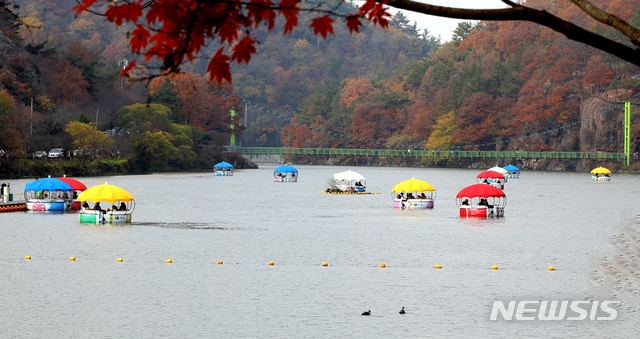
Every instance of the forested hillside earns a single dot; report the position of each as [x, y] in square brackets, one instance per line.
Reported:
[497, 85]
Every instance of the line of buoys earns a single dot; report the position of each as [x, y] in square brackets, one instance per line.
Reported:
[13, 208]
[271, 263]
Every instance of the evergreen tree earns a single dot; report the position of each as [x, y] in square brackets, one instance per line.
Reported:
[83, 119]
[166, 95]
[462, 31]
[401, 22]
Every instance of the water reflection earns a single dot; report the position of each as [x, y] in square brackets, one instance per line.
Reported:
[193, 226]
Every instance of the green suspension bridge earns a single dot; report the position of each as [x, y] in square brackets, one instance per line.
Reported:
[453, 153]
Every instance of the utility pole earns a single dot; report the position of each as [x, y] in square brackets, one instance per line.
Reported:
[124, 63]
[31, 132]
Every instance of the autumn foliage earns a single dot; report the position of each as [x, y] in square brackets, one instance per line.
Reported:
[175, 31]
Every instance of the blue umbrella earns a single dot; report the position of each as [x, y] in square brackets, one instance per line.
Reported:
[511, 168]
[223, 164]
[286, 169]
[48, 184]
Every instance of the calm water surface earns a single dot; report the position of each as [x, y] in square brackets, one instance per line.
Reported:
[587, 230]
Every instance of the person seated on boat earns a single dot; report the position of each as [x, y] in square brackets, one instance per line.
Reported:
[465, 202]
[114, 207]
[485, 181]
[97, 207]
[423, 196]
[123, 206]
[85, 205]
[401, 196]
[75, 195]
[293, 175]
[410, 196]
[483, 202]
[358, 184]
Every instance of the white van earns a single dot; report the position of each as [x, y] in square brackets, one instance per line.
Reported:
[56, 153]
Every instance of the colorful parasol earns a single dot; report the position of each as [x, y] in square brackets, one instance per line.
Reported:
[490, 174]
[105, 192]
[75, 184]
[223, 164]
[413, 185]
[480, 190]
[47, 184]
[600, 170]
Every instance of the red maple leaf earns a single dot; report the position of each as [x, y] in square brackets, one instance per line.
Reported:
[127, 12]
[243, 50]
[83, 6]
[219, 68]
[139, 39]
[229, 32]
[130, 65]
[353, 23]
[376, 12]
[258, 10]
[322, 25]
[289, 9]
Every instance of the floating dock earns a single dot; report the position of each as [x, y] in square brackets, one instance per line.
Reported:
[350, 193]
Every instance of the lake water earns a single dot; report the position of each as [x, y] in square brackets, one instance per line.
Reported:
[588, 230]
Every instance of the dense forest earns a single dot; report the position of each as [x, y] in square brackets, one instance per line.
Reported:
[495, 85]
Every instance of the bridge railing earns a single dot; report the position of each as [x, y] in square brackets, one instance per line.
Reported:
[428, 153]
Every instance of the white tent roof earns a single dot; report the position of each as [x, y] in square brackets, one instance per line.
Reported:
[348, 176]
[498, 169]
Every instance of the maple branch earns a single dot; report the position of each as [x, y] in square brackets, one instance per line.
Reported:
[611, 20]
[522, 13]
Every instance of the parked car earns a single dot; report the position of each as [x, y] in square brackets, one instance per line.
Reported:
[56, 153]
[40, 154]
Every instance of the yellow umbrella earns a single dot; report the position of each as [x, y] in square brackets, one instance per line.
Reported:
[600, 170]
[412, 185]
[105, 192]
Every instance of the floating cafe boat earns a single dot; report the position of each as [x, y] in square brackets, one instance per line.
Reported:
[513, 172]
[413, 194]
[600, 174]
[118, 205]
[285, 173]
[348, 182]
[492, 178]
[48, 195]
[223, 169]
[481, 201]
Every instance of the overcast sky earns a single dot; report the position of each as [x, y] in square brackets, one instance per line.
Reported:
[444, 26]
